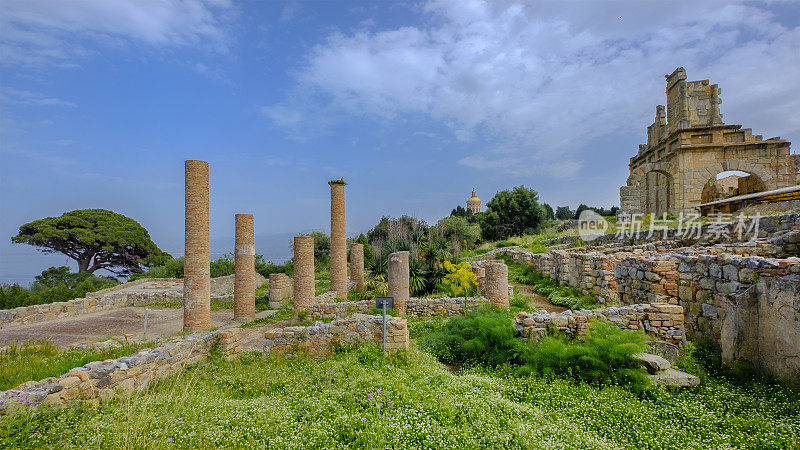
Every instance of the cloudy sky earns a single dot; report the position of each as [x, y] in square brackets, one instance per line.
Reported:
[413, 103]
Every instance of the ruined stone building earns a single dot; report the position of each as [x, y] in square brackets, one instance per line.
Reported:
[688, 145]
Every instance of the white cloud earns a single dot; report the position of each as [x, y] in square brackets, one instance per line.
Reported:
[45, 32]
[540, 82]
[23, 97]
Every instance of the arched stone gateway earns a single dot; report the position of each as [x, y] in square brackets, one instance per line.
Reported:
[688, 145]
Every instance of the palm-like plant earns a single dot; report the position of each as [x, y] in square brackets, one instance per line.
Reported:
[417, 277]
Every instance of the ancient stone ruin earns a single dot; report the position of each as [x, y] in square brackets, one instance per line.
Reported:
[338, 240]
[688, 145]
[398, 280]
[357, 265]
[244, 299]
[197, 259]
[303, 273]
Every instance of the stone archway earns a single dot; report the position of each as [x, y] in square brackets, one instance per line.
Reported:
[747, 184]
[763, 179]
[655, 183]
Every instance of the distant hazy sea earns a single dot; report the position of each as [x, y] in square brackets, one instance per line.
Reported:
[21, 263]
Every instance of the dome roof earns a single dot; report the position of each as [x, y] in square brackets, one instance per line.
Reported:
[473, 198]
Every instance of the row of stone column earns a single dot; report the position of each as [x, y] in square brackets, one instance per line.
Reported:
[197, 257]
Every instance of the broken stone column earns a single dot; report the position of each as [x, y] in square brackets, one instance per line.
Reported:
[303, 273]
[338, 240]
[357, 265]
[480, 275]
[398, 280]
[497, 283]
[197, 260]
[244, 288]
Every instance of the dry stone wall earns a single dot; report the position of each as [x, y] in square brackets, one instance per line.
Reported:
[418, 307]
[135, 372]
[658, 320]
[321, 338]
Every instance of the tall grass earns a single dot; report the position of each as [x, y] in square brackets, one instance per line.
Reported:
[33, 361]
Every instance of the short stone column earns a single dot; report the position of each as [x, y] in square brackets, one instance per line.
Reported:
[480, 276]
[303, 273]
[244, 288]
[496, 285]
[280, 289]
[398, 280]
[338, 240]
[197, 259]
[357, 265]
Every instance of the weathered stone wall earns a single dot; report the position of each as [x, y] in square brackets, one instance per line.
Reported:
[280, 289]
[760, 326]
[496, 284]
[658, 320]
[419, 307]
[135, 372]
[135, 293]
[320, 338]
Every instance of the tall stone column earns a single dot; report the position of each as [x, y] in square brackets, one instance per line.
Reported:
[398, 280]
[338, 240]
[497, 283]
[303, 273]
[357, 265]
[244, 288]
[197, 260]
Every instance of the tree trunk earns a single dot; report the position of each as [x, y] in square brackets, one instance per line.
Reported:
[83, 264]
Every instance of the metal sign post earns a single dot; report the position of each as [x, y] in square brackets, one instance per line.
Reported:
[383, 303]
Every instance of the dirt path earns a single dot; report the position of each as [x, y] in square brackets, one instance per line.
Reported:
[116, 323]
[538, 302]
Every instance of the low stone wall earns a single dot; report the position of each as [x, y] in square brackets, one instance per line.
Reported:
[135, 372]
[281, 289]
[134, 293]
[658, 320]
[320, 338]
[418, 307]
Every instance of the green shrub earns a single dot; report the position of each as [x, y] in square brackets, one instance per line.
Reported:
[504, 244]
[483, 337]
[56, 284]
[418, 327]
[520, 301]
[601, 358]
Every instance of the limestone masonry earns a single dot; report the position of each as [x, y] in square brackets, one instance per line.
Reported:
[197, 260]
[244, 299]
[338, 240]
[303, 273]
[398, 280]
[357, 265]
[688, 145]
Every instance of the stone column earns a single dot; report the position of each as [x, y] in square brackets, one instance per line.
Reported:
[197, 260]
[357, 265]
[497, 283]
[244, 288]
[480, 274]
[303, 273]
[398, 280]
[338, 240]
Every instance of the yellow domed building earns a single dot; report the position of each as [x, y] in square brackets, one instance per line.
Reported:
[474, 203]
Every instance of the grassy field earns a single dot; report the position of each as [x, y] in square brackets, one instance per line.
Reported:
[361, 399]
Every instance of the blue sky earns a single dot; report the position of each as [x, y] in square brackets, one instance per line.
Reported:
[413, 103]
